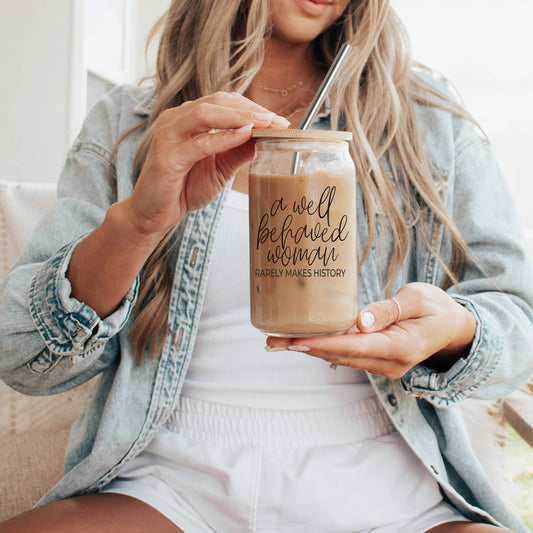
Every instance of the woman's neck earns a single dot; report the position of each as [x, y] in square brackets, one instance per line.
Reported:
[285, 68]
[288, 77]
[285, 64]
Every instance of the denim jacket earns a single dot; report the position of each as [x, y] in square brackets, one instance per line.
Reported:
[50, 342]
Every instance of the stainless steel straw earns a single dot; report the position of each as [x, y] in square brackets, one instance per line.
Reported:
[320, 96]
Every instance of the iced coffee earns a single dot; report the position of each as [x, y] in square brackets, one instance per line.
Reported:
[303, 257]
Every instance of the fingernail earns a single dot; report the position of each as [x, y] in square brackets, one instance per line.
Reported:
[296, 348]
[264, 116]
[367, 319]
[280, 121]
[245, 129]
[275, 349]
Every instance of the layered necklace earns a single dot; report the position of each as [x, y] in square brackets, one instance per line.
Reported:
[291, 107]
[282, 92]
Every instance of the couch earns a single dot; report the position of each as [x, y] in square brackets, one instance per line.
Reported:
[34, 430]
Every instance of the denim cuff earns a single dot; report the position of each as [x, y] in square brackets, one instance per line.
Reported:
[442, 389]
[68, 326]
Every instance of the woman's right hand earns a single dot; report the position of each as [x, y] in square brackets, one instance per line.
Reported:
[196, 149]
[186, 166]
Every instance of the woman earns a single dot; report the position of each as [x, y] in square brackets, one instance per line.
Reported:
[191, 426]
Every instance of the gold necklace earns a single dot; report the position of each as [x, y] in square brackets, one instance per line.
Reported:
[289, 110]
[282, 92]
[294, 112]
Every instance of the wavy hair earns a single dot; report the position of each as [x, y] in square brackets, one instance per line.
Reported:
[212, 45]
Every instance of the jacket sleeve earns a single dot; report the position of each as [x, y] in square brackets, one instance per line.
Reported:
[497, 286]
[49, 341]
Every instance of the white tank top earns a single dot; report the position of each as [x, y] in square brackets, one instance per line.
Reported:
[229, 363]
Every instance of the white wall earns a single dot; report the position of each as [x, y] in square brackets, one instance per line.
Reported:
[147, 14]
[484, 47]
[35, 88]
[41, 94]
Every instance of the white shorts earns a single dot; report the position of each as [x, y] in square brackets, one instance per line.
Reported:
[226, 469]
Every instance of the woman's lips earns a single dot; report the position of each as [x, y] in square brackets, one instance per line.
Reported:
[313, 7]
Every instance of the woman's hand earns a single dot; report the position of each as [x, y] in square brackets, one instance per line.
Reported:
[432, 327]
[196, 149]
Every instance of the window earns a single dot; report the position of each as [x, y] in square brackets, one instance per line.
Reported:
[106, 51]
[482, 47]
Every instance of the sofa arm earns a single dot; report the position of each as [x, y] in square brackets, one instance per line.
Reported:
[518, 413]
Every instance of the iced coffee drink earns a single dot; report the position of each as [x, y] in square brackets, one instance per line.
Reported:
[303, 257]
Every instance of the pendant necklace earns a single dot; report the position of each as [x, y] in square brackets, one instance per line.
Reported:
[282, 92]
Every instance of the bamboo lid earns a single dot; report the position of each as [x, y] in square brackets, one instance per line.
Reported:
[315, 135]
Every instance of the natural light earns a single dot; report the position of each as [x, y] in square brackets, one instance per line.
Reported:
[484, 48]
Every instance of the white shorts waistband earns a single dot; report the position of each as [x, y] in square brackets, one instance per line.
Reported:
[277, 428]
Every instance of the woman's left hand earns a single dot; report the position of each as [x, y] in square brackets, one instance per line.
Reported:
[389, 339]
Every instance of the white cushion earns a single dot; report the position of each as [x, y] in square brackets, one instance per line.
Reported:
[21, 207]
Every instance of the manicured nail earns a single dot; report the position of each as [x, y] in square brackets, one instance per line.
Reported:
[275, 349]
[367, 319]
[280, 121]
[264, 116]
[245, 129]
[297, 348]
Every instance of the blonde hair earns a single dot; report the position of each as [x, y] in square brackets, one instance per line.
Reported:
[212, 45]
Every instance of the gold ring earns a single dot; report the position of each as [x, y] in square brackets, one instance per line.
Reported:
[399, 308]
[333, 366]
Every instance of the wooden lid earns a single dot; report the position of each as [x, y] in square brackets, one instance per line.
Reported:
[312, 135]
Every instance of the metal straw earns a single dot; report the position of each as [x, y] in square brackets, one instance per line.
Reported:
[320, 96]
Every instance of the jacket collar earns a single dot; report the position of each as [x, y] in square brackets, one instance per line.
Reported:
[146, 103]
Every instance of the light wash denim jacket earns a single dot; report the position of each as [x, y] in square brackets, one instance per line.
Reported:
[49, 342]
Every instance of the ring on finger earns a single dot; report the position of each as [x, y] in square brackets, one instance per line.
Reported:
[399, 308]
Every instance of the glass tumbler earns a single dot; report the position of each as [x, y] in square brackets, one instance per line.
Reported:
[303, 255]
